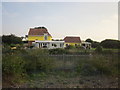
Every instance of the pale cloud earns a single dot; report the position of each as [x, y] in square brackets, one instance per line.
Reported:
[107, 28]
[9, 15]
[91, 20]
[110, 19]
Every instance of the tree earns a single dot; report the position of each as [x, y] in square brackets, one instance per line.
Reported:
[98, 49]
[89, 40]
[11, 39]
[95, 44]
[109, 43]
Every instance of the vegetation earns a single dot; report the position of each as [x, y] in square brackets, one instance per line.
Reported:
[57, 51]
[21, 63]
[94, 43]
[98, 49]
[89, 40]
[24, 65]
[70, 47]
[99, 65]
[11, 39]
[109, 43]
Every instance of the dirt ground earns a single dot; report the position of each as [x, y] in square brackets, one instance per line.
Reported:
[74, 82]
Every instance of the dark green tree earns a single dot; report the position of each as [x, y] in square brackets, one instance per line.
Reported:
[110, 43]
[95, 44]
[11, 39]
[89, 40]
[98, 49]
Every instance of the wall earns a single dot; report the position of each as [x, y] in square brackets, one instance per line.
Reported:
[73, 44]
[33, 38]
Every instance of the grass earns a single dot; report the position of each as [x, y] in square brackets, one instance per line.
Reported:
[36, 65]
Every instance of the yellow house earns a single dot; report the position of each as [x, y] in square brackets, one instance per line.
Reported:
[74, 41]
[39, 33]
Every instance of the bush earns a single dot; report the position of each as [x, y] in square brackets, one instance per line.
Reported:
[98, 49]
[108, 52]
[70, 47]
[109, 43]
[38, 60]
[86, 69]
[57, 51]
[99, 65]
[18, 64]
[11, 39]
[95, 44]
[105, 64]
[13, 69]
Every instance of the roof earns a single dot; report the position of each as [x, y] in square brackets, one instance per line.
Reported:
[83, 42]
[38, 31]
[72, 39]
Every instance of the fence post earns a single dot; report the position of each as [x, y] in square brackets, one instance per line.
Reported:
[64, 60]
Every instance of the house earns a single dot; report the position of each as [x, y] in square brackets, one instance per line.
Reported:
[74, 41]
[86, 45]
[39, 37]
[38, 33]
[48, 44]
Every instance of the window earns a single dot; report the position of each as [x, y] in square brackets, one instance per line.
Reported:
[83, 44]
[61, 44]
[75, 44]
[52, 44]
[66, 45]
[45, 44]
[55, 45]
[45, 36]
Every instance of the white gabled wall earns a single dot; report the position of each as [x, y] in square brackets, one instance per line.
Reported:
[50, 44]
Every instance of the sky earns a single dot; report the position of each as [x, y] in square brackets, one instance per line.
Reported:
[95, 20]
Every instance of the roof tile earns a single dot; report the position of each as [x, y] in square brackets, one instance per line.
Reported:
[72, 39]
[39, 31]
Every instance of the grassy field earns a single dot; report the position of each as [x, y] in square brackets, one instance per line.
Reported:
[36, 68]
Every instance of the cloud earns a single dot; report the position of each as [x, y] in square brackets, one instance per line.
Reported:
[110, 20]
[108, 27]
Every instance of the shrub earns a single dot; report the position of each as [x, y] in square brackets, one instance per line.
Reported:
[57, 51]
[38, 60]
[105, 64]
[95, 44]
[70, 47]
[13, 66]
[110, 43]
[86, 69]
[11, 39]
[108, 52]
[99, 65]
[18, 64]
[98, 49]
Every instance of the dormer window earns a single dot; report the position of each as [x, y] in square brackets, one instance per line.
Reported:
[45, 36]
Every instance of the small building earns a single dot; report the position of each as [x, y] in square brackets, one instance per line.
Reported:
[86, 45]
[74, 41]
